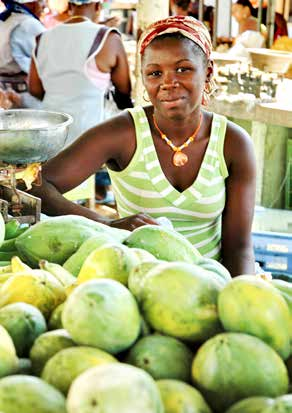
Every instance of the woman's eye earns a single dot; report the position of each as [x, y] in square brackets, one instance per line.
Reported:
[155, 73]
[182, 69]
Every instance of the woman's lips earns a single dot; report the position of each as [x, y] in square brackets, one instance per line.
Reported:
[171, 102]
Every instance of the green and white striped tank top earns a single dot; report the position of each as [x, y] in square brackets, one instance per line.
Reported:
[196, 212]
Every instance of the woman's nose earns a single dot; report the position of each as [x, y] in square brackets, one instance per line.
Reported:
[169, 80]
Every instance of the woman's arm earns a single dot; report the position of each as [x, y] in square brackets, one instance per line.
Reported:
[35, 85]
[237, 249]
[109, 142]
[113, 58]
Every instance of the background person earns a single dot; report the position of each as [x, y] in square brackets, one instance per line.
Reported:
[73, 67]
[248, 34]
[171, 158]
[19, 25]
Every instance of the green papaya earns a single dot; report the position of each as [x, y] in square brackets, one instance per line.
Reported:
[179, 397]
[11, 228]
[7, 255]
[165, 244]
[215, 267]
[282, 404]
[8, 245]
[2, 229]
[250, 305]
[232, 366]
[57, 238]
[75, 262]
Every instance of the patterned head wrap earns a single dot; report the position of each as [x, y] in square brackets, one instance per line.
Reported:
[189, 27]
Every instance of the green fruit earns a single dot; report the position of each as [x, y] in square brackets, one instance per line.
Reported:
[251, 405]
[109, 261]
[46, 346]
[36, 287]
[113, 388]
[233, 366]
[24, 324]
[7, 255]
[215, 267]
[253, 306]
[57, 238]
[62, 275]
[285, 289]
[179, 397]
[137, 277]
[8, 245]
[29, 394]
[2, 229]
[8, 358]
[5, 264]
[55, 320]
[281, 404]
[103, 314]
[11, 228]
[162, 357]
[65, 366]
[165, 244]
[143, 255]
[75, 262]
[180, 300]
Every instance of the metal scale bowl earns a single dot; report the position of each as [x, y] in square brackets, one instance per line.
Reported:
[27, 137]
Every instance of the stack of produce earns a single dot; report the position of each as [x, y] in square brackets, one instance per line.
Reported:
[95, 319]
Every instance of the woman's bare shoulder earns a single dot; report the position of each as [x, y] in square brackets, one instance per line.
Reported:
[115, 137]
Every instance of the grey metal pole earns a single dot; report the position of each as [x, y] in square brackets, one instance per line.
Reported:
[230, 19]
[271, 10]
[201, 10]
[260, 14]
[215, 24]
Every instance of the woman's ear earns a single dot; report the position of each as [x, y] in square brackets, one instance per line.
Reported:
[209, 73]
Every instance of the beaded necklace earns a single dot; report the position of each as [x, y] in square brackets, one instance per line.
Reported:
[179, 158]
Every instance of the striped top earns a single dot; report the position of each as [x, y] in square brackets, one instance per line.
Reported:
[196, 212]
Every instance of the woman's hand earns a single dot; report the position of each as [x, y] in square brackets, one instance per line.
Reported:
[15, 98]
[133, 221]
[5, 102]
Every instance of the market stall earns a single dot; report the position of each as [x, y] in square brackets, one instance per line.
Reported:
[95, 318]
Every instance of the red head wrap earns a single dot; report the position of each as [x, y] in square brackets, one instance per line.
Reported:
[189, 27]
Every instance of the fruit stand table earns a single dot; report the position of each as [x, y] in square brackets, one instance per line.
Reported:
[270, 126]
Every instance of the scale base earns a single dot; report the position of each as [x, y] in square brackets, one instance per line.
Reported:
[19, 205]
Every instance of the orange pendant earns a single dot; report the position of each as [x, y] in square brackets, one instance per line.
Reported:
[179, 159]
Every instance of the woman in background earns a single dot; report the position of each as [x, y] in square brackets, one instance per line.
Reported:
[72, 68]
[19, 25]
[248, 34]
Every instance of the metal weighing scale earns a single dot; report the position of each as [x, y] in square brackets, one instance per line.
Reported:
[27, 139]
[272, 240]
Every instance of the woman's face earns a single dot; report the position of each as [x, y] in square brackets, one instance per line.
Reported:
[174, 75]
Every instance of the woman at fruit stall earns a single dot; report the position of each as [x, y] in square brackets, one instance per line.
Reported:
[172, 158]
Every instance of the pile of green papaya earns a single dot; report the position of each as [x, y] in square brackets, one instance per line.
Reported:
[94, 318]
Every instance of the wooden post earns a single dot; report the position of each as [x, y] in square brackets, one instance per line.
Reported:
[147, 13]
[270, 22]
